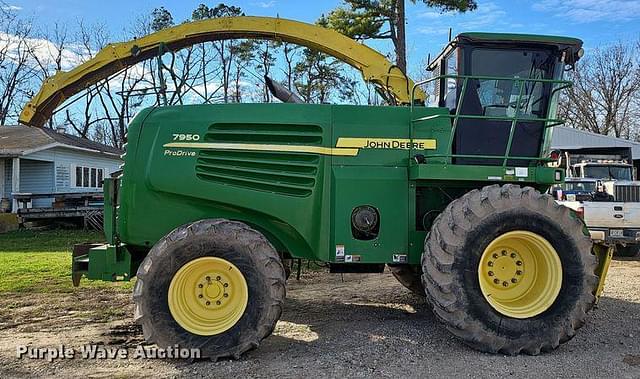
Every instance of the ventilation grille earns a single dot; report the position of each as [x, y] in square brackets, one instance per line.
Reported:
[627, 193]
[291, 174]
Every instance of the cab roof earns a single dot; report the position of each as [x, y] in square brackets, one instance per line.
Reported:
[569, 44]
[560, 42]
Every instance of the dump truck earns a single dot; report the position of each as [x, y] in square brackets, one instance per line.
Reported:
[212, 198]
[611, 165]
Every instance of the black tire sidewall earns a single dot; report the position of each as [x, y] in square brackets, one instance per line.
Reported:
[176, 255]
[468, 260]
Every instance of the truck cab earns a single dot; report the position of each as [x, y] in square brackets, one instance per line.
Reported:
[609, 221]
[607, 170]
[618, 178]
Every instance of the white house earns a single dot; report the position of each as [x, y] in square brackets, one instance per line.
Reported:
[43, 162]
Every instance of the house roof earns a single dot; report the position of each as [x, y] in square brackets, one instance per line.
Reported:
[566, 138]
[21, 140]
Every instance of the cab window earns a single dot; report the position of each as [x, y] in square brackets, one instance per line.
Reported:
[499, 97]
[451, 84]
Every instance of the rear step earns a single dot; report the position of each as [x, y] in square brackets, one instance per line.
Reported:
[356, 268]
[100, 261]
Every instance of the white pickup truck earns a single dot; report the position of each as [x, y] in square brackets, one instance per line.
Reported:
[607, 220]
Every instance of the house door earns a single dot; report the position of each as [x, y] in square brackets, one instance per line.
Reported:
[37, 177]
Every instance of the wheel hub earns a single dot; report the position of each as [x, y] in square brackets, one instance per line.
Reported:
[207, 296]
[505, 267]
[213, 290]
[520, 274]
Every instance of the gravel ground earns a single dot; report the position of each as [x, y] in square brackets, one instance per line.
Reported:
[337, 326]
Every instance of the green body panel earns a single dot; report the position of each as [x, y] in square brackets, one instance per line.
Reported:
[540, 177]
[280, 198]
[386, 189]
[109, 216]
[107, 262]
[286, 195]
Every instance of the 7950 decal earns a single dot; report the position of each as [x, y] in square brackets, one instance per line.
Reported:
[186, 137]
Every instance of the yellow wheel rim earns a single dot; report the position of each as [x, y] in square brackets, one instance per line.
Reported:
[208, 296]
[520, 274]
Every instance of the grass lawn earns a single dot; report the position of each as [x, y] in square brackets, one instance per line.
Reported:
[40, 261]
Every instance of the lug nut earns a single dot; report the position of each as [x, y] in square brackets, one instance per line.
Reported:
[200, 296]
[495, 255]
[199, 285]
[514, 280]
[496, 280]
[208, 303]
[513, 255]
[490, 264]
[518, 272]
[519, 263]
[490, 273]
[226, 295]
[505, 284]
[208, 278]
[504, 252]
[218, 302]
[226, 285]
[218, 278]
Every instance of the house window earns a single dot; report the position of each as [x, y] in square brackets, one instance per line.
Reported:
[88, 177]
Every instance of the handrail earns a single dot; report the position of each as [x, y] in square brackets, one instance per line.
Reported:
[548, 122]
[541, 159]
[568, 83]
[375, 67]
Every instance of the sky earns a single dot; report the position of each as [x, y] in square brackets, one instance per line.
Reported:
[596, 22]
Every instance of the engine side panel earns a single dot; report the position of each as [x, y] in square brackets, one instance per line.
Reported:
[179, 174]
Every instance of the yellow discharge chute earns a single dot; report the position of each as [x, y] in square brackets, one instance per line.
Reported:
[374, 66]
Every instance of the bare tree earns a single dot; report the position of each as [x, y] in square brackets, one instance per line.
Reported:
[265, 59]
[289, 52]
[89, 39]
[243, 56]
[48, 53]
[103, 110]
[16, 70]
[605, 97]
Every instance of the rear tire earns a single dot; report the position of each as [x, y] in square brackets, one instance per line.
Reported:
[461, 236]
[227, 241]
[409, 276]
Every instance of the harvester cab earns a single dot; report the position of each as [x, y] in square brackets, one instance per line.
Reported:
[212, 198]
[502, 91]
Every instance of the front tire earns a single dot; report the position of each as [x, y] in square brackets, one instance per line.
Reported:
[217, 285]
[491, 270]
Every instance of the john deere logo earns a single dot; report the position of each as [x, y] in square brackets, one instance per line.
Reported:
[387, 143]
[393, 145]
